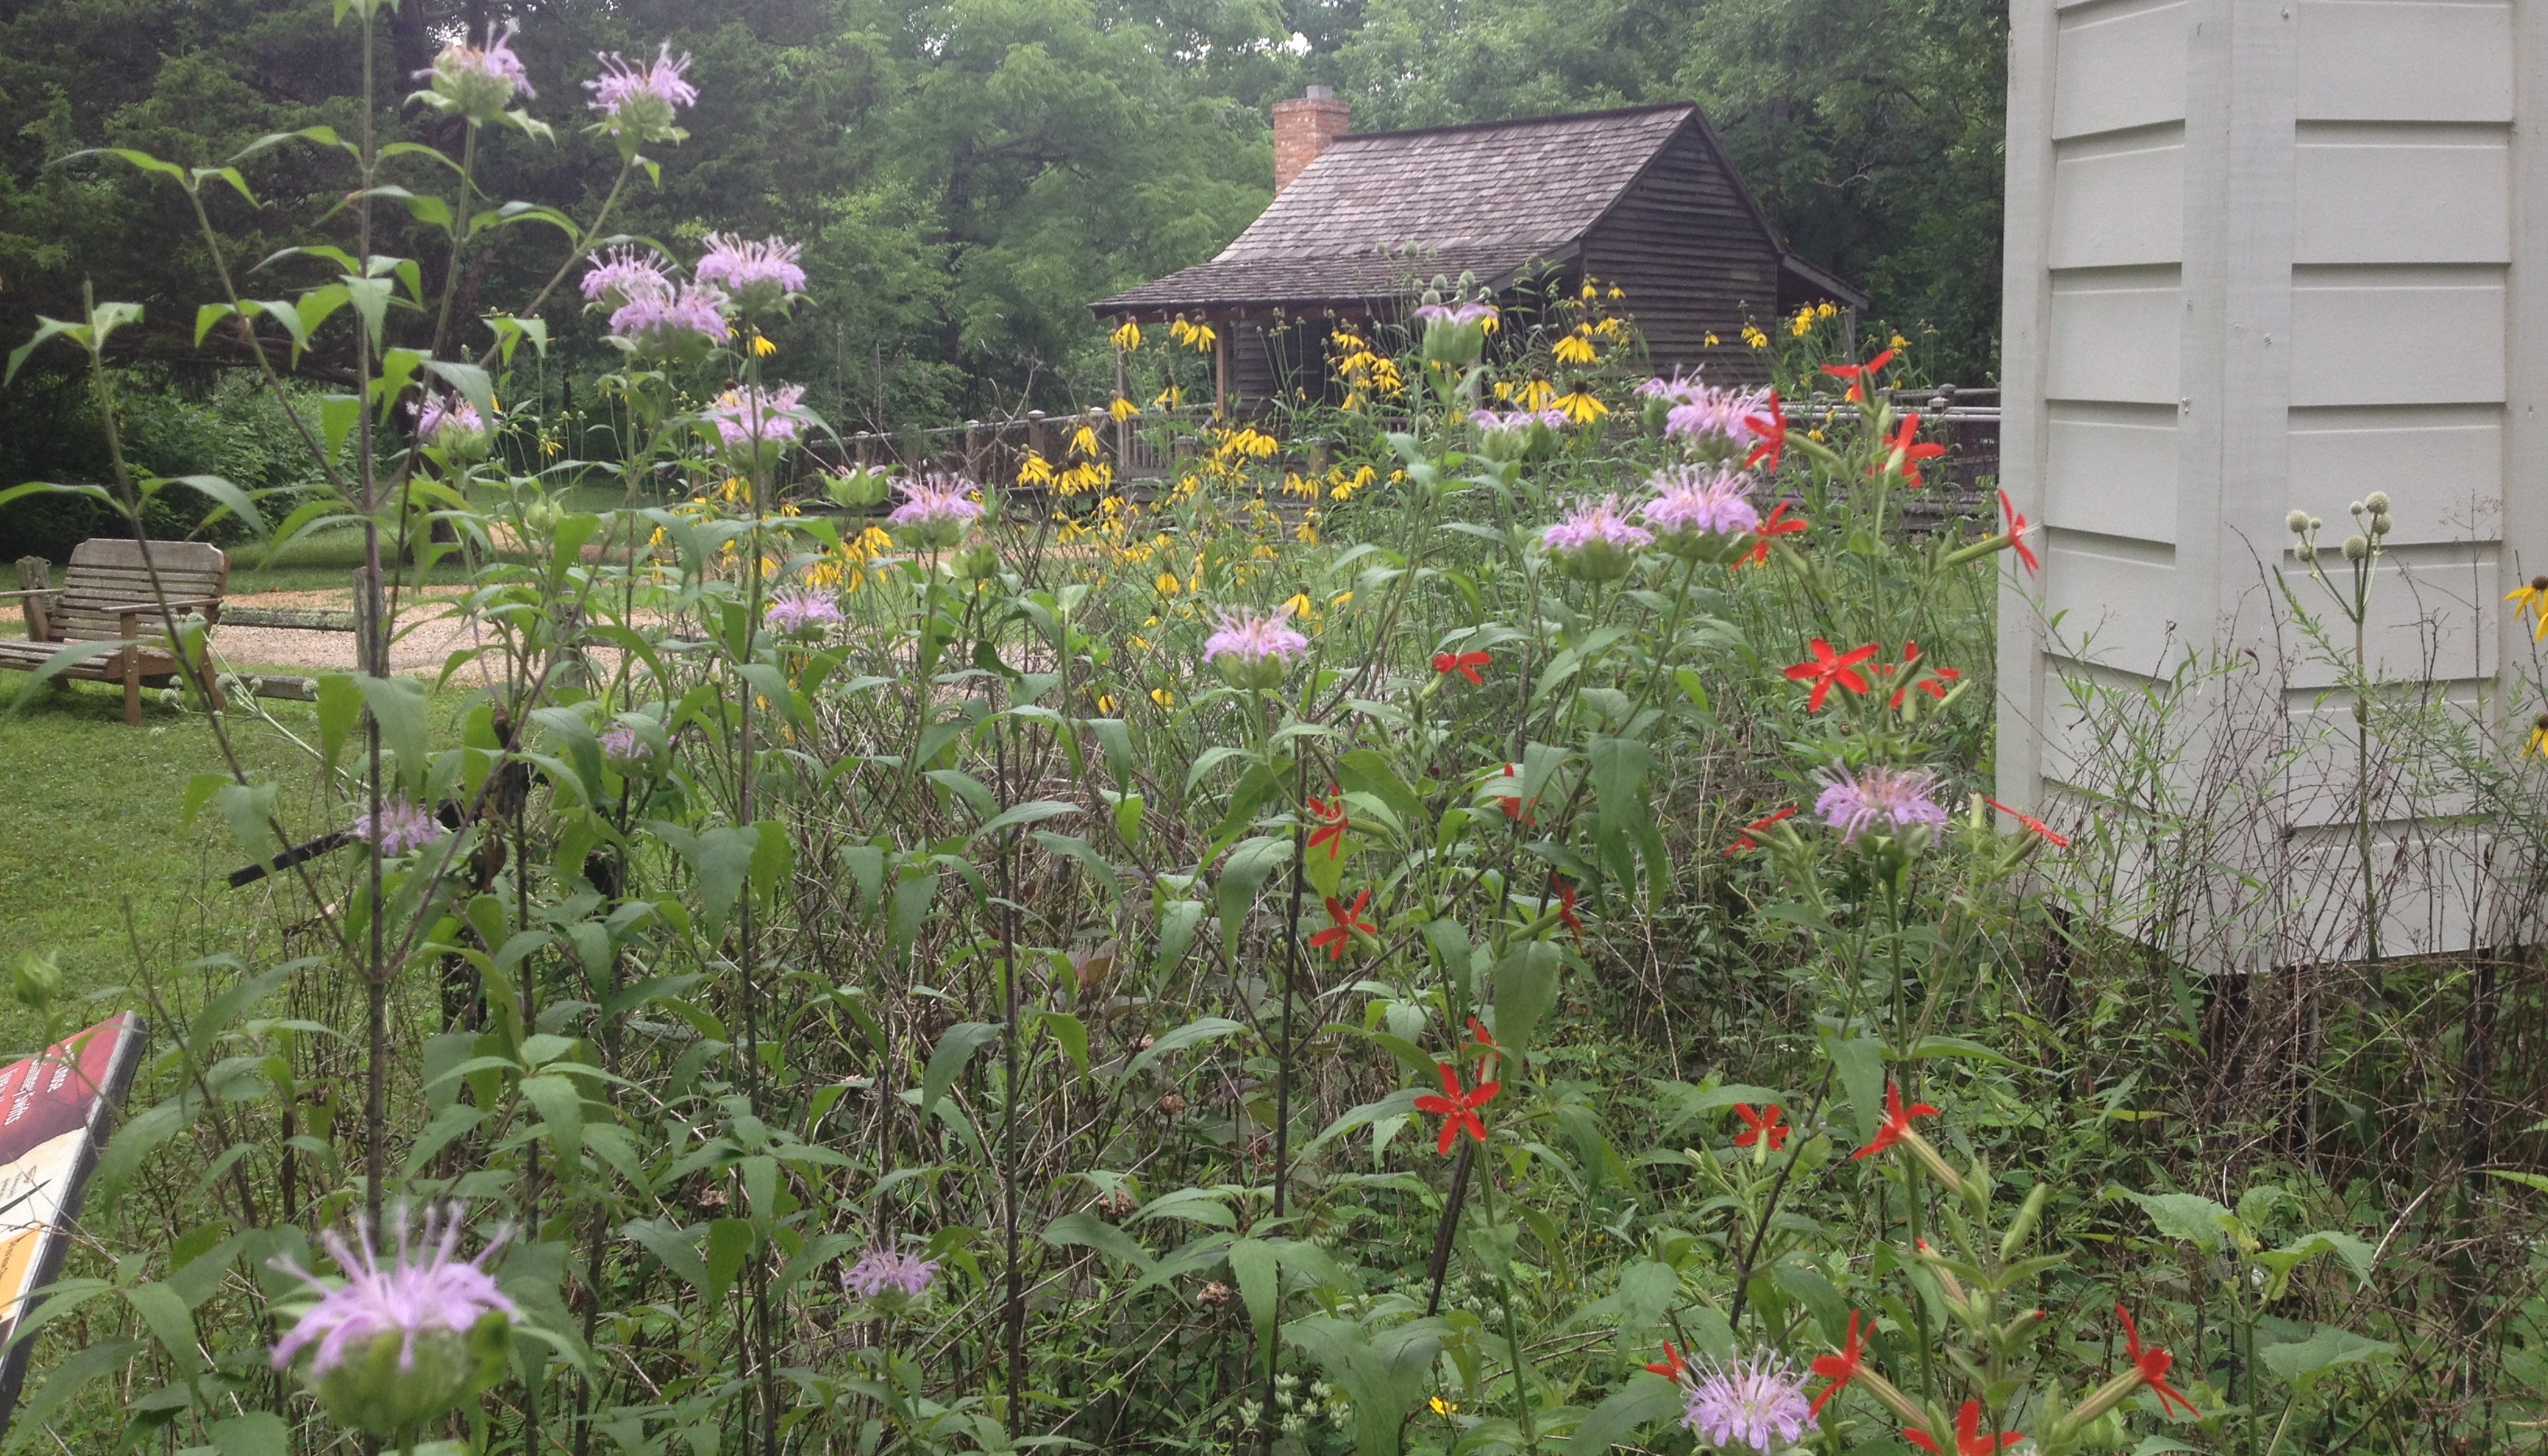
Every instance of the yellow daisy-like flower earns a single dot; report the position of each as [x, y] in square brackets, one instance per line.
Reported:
[1898, 342]
[1167, 584]
[1307, 533]
[1122, 409]
[1536, 392]
[2535, 604]
[1299, 605]
[1575, 348]
[1035, 470]
[1711, 340]
[1168, 399]
[1444, 1408]
[1126, 336]
[1083, 442]
[761, 344]
[1581, 405]
[2538, 743]
[1163, 698]
[1754, 337]
[1105, 702]
[1825, 309]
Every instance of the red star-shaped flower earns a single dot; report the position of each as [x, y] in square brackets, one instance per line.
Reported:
[1761, 1124]
[1466, 663]
[1457, 1109]
[1771, 428]
[1933, 682]
[1904, 451]
[1828, 668]
[1482, 1041]
[1513, 805]
[1970, 1439]
[2018, 526]
[1745, 841]
[1859, 374]
[1339, 935]
[1775, 525]
[1897, 1120]
[1566, 915]
[1672, 1366]
[2153, 1362]
[1842, 1367]
[2052, 837]
[1331, 816]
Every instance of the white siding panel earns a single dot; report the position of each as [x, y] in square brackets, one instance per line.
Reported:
[2111, 602]
[2405, 61]
[2114, 336]
[2396, 337]
[2119, 65]
[2441, 465]
[2112, 469]
[2120, 201]
[2430, 619]
[2384, 193]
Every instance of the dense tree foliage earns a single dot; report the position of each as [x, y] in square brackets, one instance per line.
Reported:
[968, 176]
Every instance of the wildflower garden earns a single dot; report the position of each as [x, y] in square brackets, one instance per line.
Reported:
[1488, 937]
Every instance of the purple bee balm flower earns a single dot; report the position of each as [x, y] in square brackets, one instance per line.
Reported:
[800, 609]
[647, 96]
[402, 826]
[477, 84]
[889, 1271]
[1893, 800]
[422, 1291]
[623, 275]
[1253, 648]
[622, 744]
[1458, 316]
[1718, 418]
[1676, 389]
[1757, 1402]
[758, 274]
[752, 413]
[935, 510]
[442, 413]
[1599, 522]
[1702, 503]
[670, 323]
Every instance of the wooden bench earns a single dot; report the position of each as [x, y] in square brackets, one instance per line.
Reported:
[107, 595]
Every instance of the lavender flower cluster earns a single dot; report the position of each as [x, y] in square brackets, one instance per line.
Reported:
[885, 1271]
[1755, 1403]
[1897, 801]
[1717, 419]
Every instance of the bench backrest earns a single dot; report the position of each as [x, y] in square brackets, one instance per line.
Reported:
[107, 578]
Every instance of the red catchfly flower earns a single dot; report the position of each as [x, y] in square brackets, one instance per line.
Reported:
[1466, 663]
[1457, 1109]
[1566, 915]
[1484, 1040]
[2153, 1362]
[1859, 374]
[1970, 1439]
[1775, 523]
[2018, 526]
[1330, 812]
[1904, 452]
[1745, 841]
[1761, 1124]
[2052, 837]
[1513, 805]
[1934, 684]
[1341, 934]
[1672, 1366]
[1772, 429]
[1897, 1120]
[1841, 1368]
[1828, 668]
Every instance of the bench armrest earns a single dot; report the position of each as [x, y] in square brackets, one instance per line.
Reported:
[124, 606]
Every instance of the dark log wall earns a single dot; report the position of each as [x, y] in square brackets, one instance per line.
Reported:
[1694, 261]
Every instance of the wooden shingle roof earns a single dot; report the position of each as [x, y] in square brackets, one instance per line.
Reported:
[1375, 213]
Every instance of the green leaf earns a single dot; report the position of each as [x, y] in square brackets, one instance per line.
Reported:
[1860, 1063]
[1252, 1262]
[257, 1433]
[1525, 988]
[946, 1062]
[1071, 1032]
[340, 706]
[1206, 1028]
[1178, 922]
[1024, 814]
[57, 664]
[1242, 875]
[1928, 1046]
[913, 895]
[1646, 1399]
[1087, 1231]
[227, 498]
[165, 1316]
[2303, 1363]
[1070, 847]
[2186, 1216]
[398, 704]
[1366, 771]
[561, 1107]
[729, 1240]
[672, 1249]
[69, 1376]
[1193, 1205]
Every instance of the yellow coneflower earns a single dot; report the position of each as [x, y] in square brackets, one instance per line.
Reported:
[1167, 584]
[1754, 337]
[1126, 336]
[761, 344]
[2538, 743]
[1580, 404]
[2534, 603]
[1163, 698]
[1575, 348]
[1711, 340]
[1536, 392]
[1105, 702]
[1035, 470]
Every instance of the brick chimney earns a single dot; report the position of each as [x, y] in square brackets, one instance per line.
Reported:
[1303, 129]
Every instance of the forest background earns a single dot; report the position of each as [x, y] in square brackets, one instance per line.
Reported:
[965, 176]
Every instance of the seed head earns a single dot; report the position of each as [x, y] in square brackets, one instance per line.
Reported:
[2357, 548]
[2377, 503]
[2297, 522]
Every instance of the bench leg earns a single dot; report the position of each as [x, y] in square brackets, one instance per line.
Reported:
[133, 687]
